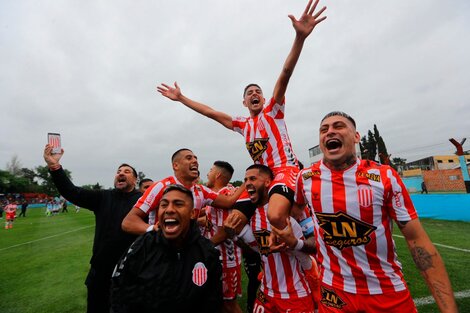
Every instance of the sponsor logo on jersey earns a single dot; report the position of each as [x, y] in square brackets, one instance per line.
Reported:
[260, 296]
[257, 147]
[365, 195]
[397, 198]
[341, 230]
[199, 274]
[370, 176]
[307, 175]
[330, 298]
[262, 237]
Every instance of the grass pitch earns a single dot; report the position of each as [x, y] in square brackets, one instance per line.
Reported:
[44, 262]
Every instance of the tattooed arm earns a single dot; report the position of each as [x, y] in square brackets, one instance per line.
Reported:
[430, 264]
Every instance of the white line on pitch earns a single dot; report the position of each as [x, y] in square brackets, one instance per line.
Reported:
[428, 300]
[48, 237]
[441, 245]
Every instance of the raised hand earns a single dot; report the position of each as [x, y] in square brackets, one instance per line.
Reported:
[51, 159]
[307, 22]
[170, 92]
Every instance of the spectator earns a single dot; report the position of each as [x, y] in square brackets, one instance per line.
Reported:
[109, 207]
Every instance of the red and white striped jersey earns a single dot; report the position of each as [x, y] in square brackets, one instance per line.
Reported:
[149, 201]
[266, 137]
[283, 277]
[230, 253]
[10, 208]
[354, 213]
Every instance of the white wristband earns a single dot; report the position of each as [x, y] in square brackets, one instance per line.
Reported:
[150, 228]
[299, 245]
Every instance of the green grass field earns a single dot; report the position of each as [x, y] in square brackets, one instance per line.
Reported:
[44, 261]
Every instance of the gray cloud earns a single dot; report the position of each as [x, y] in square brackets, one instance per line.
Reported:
[88, 69]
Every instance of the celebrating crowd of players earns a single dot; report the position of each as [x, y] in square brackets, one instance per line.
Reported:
[338, 214]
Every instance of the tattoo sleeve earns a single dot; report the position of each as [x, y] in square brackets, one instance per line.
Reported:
[422, 258]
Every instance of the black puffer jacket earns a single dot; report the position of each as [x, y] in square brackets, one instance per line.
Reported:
[156, 277]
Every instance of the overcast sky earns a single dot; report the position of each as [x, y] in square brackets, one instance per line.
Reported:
[88, 70]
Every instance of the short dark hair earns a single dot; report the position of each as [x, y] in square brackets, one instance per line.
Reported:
[225, 166]
[144, 180]
[133, 169]
[173, 157]
[248, 86]
[180, 188]
[262, 169]
[340, 113]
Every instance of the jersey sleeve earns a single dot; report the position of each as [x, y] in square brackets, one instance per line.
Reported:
[274, 109]
[152, 196]
[239, 124]
[209, 195]
[401, 206]
[299, 196]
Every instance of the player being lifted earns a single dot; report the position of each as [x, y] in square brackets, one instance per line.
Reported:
[265, 130]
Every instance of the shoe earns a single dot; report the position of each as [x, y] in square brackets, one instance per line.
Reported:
[312, 276]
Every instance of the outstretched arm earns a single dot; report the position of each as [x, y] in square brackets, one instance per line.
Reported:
[430, 264]
[176, 95]
[303, 27]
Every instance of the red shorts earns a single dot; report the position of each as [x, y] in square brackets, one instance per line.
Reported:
[266, 304]
[339, 301]
[231, 282]
[10, 216]
[285, 176]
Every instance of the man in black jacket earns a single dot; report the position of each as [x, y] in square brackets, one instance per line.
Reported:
[173, 269]
[110, 207]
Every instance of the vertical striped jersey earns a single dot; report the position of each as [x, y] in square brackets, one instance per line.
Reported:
[283, 277]
[230, 253]
[354, 212]
[266, 137]
[149, 201]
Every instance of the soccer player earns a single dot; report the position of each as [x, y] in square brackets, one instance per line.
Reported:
[355, 202]
[284, 287]
[218, 179]
[144, 184]
[186, 171]
[10, 210]
[265, 130]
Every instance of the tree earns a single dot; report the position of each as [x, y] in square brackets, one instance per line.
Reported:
[140, 176]
[237, 183]
[96, 186]
[368, 146]
[382, 149]
[14, 166]
[46, 180]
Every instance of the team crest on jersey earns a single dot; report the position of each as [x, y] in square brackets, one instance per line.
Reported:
[262, 237]
[341, 230]
[310, 174]
[365, 195]
[370, 176]
[199, 274]
[257, 147]
[330, 298]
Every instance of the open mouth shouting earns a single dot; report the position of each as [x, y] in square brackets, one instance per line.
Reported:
[121, 181]
[251, 190]
[170, 225]
[333, 145]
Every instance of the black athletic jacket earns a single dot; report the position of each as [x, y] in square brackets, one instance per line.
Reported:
[156, 277]
[110, 208]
